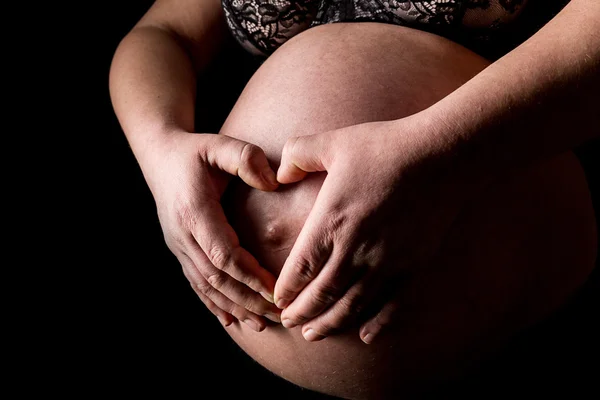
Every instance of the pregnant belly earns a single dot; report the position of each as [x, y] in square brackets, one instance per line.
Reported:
[526, 245]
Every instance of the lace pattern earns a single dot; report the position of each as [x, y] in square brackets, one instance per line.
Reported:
[261, 26]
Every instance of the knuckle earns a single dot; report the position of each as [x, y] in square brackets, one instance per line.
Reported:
[325, 294]
[249, 152]
[254, 306]
[351, 305]
[239, 312]
[198, 292]
[223, 303]
[306, 268]
[219, 257]
[255, 303]
[289, 146]
[251, 282]
[294, 147]
[203, 286]
[245, 299]
[217, 280]
[241, 261]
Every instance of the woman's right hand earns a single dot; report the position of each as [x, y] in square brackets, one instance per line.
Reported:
[187, 176]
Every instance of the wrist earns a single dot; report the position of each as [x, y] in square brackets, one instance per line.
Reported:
[154, 145]
[455, 149]
[155, 155]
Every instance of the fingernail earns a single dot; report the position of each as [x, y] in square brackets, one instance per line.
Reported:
[273, 317]
[282, 303]
[312, 336]
[252, 324]
[287, 323]
[268, 297]
[224, 322]
[368, 338]
[269, 176]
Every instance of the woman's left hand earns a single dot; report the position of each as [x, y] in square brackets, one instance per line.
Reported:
[391, 193]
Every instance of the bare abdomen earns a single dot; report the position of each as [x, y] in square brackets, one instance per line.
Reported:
[526, 245]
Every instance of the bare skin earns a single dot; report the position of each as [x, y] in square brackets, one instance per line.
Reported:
[526, 243]
[509, 116]
[481, 290]
[153, 90]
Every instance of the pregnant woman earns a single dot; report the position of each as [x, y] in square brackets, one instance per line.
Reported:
[407, 192]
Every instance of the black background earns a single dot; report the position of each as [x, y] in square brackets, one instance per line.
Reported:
[128, 322]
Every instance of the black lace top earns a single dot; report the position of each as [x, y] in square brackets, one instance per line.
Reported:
[489, 27]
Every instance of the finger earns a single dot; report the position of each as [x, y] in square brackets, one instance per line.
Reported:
[375, 325]
[200, 285]
[324, 291]
[225, 318]
[303, 154]
[220, 244]
[346, 311]
[315, 244]
[311, 251]
[243, 159]
[235, 291]
[254, 321]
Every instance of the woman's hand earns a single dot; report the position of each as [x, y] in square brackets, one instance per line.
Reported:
[188, 177]
[391, 193]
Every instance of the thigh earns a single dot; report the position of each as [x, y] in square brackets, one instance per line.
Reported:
[520, 251]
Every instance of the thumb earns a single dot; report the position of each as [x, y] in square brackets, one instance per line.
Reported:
[242, 159]
[303, 154]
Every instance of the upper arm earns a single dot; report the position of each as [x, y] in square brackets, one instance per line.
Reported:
[198, 25]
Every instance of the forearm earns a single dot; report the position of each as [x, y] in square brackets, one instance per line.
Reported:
[154, 69]
[152, 87]
[541, 99]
